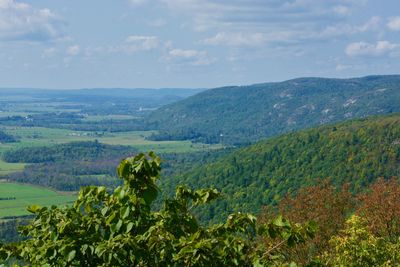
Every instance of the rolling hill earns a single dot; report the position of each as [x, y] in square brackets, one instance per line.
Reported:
[355, 152]
[245, 114]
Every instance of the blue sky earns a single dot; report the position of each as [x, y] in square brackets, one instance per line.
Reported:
[193, 43]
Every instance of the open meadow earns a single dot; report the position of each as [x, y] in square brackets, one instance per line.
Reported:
[15, 198]
[6, 168]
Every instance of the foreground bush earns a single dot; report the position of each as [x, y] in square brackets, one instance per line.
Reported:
[357, 246]
[121, 229]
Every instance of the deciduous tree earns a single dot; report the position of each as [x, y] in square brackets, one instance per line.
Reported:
[380, 207]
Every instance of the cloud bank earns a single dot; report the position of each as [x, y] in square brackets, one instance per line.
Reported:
[21, 22]
[380, 48]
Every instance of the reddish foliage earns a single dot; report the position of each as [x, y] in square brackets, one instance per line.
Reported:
[381, 208]
[321, 203]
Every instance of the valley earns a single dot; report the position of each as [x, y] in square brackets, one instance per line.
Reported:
[322, 133]
[46, 133]
[33, 121]
[200, 133]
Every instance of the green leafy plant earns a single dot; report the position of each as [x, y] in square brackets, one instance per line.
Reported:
[121, 229]
[357, 246]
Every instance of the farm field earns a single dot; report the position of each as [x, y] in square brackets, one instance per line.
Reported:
[26, 195]
[13, 113]
[39, 136]
[37, 118]
[6, 167]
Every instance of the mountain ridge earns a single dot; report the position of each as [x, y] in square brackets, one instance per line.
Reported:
[245, 114]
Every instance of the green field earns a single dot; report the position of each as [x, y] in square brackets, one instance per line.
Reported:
[12, 113]
[6, 167]
[26, 195]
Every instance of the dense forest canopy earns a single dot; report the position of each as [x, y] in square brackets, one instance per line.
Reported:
[354, 152]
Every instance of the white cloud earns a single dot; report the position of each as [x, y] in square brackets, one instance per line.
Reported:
[291, 36]
[184, 53]
[394, 23]
[373, 24]
[260, 13]
[249, 22]
[381, 48]
[236, 39]
[73, 50]
[22, 22]
[135, 43]
[189, 57]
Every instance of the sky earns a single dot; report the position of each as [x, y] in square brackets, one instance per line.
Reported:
[193, 43]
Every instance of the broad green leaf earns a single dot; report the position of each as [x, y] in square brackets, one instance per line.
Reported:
[34, 208]
[129, 227]
[71, 255]
[125, 212]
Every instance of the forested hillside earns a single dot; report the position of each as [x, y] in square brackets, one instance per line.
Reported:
[245, 114]
[356, 152]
